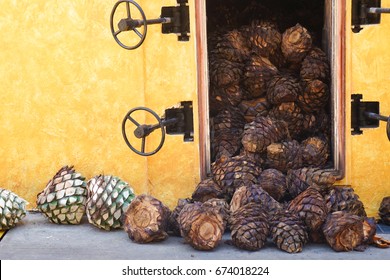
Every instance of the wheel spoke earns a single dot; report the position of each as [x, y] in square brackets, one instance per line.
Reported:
[133, 121]
[137, 32]
[117, 32]
[128, 10]
[143, 145]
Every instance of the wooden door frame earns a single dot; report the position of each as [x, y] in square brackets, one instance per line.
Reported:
[334, 30]
[203, 88]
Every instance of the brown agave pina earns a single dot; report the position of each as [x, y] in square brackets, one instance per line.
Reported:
[290, 113]
[222, 206]
[310, 207]
[283, 88]
[254, 193]
[202, 225]
[224, 73]
[284, 156]
[232, 173]
[370, 237]
[300, 179]
[262, 132]
[207, 189]
[264, 39]
[229, 118]
[343, 231]
[384, 210]
[315, 151]
[296, 43]
[147, 219]
[249, 227]
[273, 182]
[108, 199]
[315, 66]
[231, 46]
[344, 198]
[258, 71]
[174, 226]
[225, 143]
[253, 107]
[314, 96]
[288, 232]
[64, 198]
[220, 97]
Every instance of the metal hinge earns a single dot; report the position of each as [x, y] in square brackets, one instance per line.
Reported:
[365, 12]
[359, 119]
[184, 120]
[180, 23]
[365, 114]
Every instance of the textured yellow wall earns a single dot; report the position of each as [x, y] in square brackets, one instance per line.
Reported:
[65, 86]
[367, 72]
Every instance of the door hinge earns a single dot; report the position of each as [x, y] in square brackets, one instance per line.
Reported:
[366, 12]
[358, 118]
[184, 123]
[180, 23]
[365, 114]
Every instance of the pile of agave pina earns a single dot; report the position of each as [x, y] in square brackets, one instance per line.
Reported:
[229, 201]
[335, 216]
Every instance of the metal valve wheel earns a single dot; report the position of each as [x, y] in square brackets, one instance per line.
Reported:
[129, 24]
[142, 131]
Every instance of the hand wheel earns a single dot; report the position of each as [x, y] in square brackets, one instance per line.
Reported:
[142, 131]
[129, 24]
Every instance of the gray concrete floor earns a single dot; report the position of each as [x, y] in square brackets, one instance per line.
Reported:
[35, 238]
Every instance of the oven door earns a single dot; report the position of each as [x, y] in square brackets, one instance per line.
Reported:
[333, 42]
[165, 69]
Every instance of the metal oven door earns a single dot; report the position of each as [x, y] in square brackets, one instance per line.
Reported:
[160, 127]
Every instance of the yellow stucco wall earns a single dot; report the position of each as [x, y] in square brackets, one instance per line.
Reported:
[65, 86]
[367, 72]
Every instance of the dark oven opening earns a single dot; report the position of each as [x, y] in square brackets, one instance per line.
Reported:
[275, 82]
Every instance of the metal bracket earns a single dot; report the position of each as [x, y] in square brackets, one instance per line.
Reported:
[366, 12]
[180, 23]
[366, 115]
[359, 119]
[184, 123]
